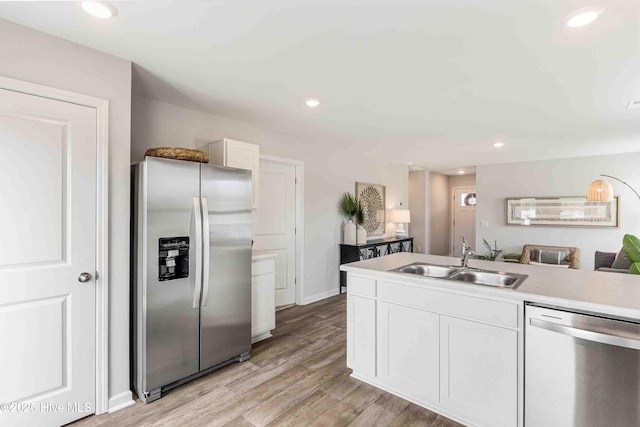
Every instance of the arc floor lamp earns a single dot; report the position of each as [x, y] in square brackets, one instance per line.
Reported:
[601, 191]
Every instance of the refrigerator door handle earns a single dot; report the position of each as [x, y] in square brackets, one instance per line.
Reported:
[197, 220]
[205, 251]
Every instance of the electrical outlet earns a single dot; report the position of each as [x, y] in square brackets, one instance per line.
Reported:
[484, 224]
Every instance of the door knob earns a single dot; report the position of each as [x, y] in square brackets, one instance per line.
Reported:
[84, 277]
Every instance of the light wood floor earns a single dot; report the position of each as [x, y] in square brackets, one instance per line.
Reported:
[297, 378]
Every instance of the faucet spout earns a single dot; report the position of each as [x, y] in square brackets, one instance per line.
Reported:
[466, 252]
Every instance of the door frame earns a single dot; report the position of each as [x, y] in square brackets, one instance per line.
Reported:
[299, 171]
[452, 217]
[102, 220]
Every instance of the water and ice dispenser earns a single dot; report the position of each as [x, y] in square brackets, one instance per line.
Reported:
[173, 258]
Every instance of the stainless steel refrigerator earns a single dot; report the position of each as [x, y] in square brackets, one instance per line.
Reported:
[191, 271]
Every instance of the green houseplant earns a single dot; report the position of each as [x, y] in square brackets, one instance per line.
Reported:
[493, 254]
[348, 206]
[352, 209]
[631, 246]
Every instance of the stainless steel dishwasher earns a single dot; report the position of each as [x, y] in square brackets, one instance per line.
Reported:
[580, 369]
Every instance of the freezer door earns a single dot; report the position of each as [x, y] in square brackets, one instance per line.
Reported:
[171, 297]
[225, 320]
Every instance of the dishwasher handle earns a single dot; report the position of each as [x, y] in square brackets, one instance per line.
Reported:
[584, 334]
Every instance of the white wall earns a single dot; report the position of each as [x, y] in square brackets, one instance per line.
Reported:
[328, 174]
[36, 57]
[467, 180]
[438, 214]
[417, 206]
[564, 177]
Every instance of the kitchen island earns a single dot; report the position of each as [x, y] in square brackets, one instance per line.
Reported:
[458, 348]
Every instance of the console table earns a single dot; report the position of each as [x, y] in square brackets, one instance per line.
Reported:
[371, 249]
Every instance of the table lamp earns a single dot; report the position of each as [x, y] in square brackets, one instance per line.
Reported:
[401, 217]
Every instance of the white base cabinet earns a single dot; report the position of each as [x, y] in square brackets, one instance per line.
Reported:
[479, 371]
[408, 350]
[263, 297]
[361, 340]
[452, 352]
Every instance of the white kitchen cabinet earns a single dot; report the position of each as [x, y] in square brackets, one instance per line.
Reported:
[236, 154]
[452, 352]
[361, 333]
[263, 295]
[479, 372]
[408, 351]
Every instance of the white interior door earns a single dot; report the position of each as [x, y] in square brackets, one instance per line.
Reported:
[48, 238]
[275, 224]
[464, 218]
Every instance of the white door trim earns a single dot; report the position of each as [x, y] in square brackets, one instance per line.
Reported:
[299, 165]
[102, 220]
[452, 217]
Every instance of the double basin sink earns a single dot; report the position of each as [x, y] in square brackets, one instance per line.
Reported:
[464, 274]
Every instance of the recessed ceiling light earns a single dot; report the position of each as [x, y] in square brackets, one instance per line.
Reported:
[461, 172]
[312, 103]
[498, 144]
[100, 9]
[583, 18]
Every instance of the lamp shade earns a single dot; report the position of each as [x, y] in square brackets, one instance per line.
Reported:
[600, 191]
[401, 216]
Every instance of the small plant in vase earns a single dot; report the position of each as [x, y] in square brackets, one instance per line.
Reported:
[349, 209]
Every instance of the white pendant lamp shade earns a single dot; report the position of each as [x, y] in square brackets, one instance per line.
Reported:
[600, 191]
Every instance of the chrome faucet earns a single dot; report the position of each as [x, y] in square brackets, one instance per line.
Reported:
[466, 252]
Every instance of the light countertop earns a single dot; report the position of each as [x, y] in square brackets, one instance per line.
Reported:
[259, 254]
[601, 292]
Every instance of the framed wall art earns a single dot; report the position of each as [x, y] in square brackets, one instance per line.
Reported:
[373, 201]
[562, 212]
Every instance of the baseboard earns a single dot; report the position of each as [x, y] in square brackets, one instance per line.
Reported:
[121, 401]
[318, 297]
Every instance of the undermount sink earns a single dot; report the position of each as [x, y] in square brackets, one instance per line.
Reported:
[468, 275]
[429, 270]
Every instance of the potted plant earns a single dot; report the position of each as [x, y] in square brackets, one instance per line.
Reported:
[493, 254]
[349, 209]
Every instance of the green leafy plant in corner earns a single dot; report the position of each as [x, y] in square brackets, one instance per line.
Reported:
[493, 254]
[631, 246]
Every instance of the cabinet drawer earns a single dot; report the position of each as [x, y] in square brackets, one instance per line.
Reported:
[499, 313]
[362, 286]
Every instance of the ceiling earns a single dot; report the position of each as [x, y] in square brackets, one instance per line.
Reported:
[431, 82]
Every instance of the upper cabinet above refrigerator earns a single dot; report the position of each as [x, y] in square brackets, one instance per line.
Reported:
[236, 154]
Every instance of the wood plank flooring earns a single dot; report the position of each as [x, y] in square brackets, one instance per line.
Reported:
[297, 378]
